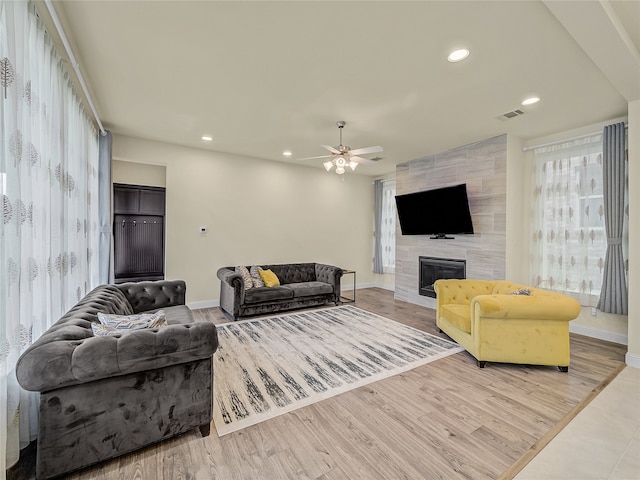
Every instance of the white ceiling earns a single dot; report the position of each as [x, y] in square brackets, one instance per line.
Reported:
[263, 77]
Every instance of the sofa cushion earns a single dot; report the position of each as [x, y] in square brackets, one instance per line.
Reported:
[458, 315]
[255, 276]
[267, 294]
[309, 289]
[269, 278]
[178, 314]
[246, 276]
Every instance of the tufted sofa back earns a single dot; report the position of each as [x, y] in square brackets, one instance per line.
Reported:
[105, 299]
[461, 291]
[145, 296]
[293, 272]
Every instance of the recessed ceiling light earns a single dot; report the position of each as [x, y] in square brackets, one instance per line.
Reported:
[207, 138]
[530, 101]
[286, 153]
[458, 55]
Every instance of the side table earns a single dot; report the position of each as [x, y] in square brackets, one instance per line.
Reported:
[344, 299]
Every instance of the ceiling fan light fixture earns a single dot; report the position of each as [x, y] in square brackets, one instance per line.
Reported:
[353, 165]
[328, 165]
[339, 170]
[340, 161]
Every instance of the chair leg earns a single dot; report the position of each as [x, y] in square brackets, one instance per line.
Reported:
[481, 363]
[563, 369]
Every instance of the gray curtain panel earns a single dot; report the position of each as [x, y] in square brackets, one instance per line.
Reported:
[105, 205]
[613, 296]
[377, 209]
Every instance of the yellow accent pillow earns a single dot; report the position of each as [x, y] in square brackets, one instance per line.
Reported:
[269, 278]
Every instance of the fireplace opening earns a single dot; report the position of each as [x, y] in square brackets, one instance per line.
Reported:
[432, 269]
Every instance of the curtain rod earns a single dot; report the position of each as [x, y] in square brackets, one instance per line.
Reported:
[74, 63]
[526, 149]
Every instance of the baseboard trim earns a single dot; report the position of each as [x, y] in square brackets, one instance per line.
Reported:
[632, 360]
[391, 288]
[600, 334]
[360, 286]
[203, 304]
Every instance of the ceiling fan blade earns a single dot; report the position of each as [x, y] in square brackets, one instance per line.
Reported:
[313, 158]
[363, 161]
[330, 148]
[362, 151]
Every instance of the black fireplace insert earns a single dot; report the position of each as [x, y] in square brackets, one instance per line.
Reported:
[432, 269]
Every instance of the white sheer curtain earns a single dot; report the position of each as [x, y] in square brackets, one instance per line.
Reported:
[569, 239]
[387, 228]
[48, 167]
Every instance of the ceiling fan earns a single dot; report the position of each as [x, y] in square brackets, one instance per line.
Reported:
[342, 156]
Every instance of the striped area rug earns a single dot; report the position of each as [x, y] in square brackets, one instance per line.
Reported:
[269, 366]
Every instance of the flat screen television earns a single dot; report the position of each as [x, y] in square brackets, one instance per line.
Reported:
[435, 212]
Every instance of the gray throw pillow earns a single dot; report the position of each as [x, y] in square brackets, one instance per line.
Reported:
[246, 276]
[255, 276]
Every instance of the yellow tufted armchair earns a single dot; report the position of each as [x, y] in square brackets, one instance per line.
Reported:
[494, 325]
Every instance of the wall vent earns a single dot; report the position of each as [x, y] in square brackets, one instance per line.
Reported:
[510, 115]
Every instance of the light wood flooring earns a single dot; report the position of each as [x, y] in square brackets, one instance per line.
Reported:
[444, 420]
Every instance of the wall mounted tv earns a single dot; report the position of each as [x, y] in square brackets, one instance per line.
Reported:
[435, 212]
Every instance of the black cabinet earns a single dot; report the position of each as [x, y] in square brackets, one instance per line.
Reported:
[138, 232]
[138, 200]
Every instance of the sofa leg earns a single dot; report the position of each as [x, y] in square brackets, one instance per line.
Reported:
[205, 429]
[481, 363]
[563, 369]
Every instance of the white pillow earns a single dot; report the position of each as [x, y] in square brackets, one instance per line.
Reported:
[114, 324]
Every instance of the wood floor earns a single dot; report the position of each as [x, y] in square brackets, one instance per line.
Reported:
[444, 420]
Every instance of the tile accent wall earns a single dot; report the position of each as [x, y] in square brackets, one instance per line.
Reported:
[483, 167]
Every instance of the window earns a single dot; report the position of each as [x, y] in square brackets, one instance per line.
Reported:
[569, 239]
[385, 228]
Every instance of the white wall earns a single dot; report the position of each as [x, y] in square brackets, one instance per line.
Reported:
[138, 174]
[518, 212]
[255, 211]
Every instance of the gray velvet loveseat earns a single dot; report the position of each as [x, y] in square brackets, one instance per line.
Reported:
[103, 396]
[301, 285]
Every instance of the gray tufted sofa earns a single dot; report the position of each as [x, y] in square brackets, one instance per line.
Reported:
[101, 397]
[301, 285]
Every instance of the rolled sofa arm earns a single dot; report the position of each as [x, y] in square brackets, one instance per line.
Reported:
[540, 306]
[71, 359]
[328, 274]
[231, 290]
[331, 275]
[145, 296]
